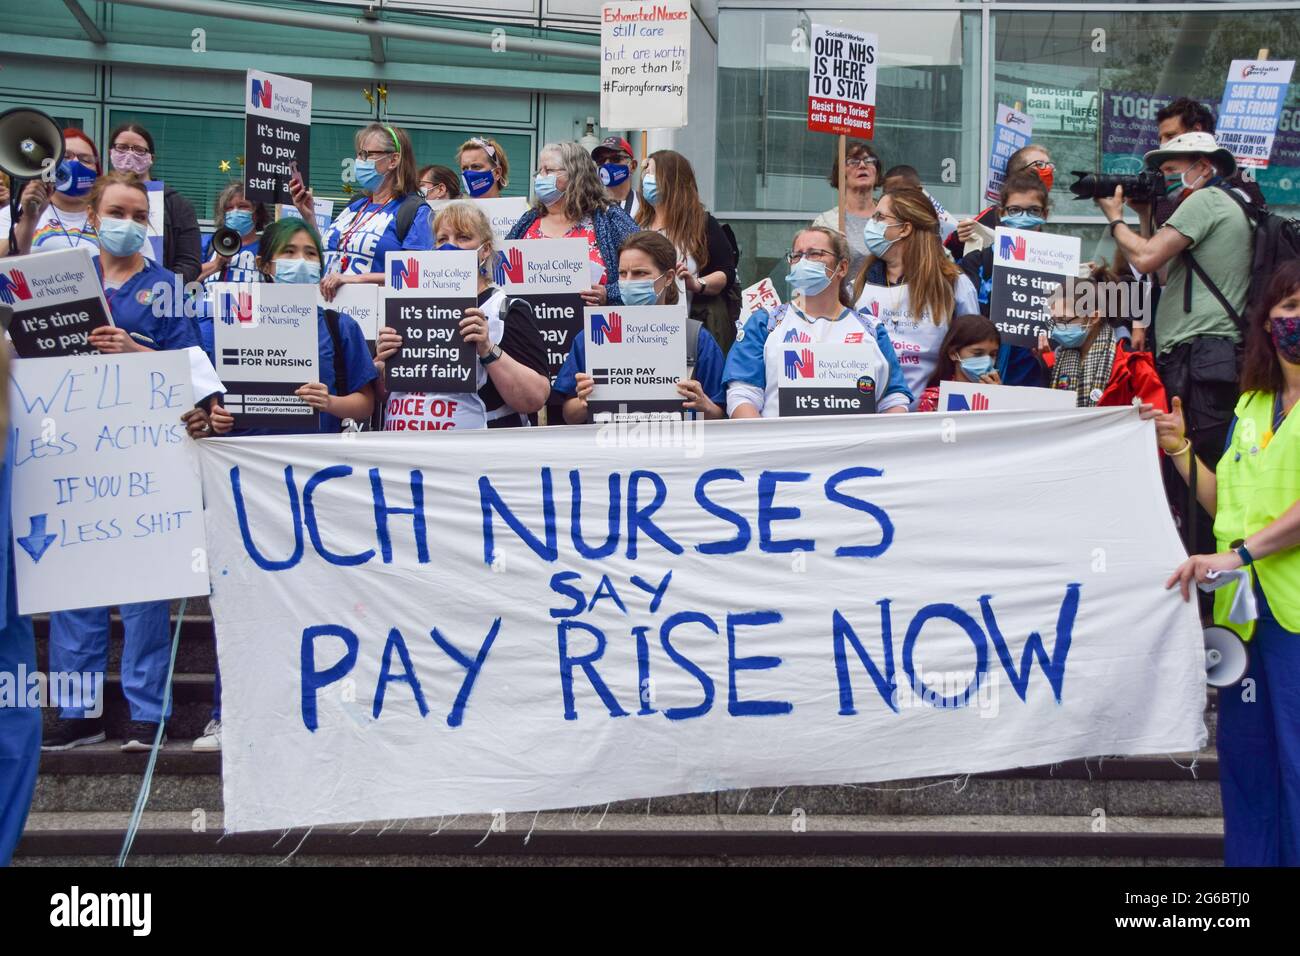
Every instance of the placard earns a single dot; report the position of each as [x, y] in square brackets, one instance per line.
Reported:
[502, 213]
[636, 356]
[277, 135]
[645, 62]
[760, 295]
[1253, 97]
[1027, 268]
[106, 506]
[550, 274]
[1011, 132]
[57, 301]
[153, 248]
[361, 300]
[266, 340]
[322, 213]
[829, 378]
[842, 82]
[978, 397]
[426, 298]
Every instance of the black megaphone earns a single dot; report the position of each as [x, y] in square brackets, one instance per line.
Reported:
[226, 242]
[31, 147]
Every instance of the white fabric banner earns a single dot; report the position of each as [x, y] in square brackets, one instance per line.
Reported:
[408, 629]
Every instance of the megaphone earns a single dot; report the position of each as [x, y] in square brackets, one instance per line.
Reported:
[226, 242]
[30, 143]
[1226, 658]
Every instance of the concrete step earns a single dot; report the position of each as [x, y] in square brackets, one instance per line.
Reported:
[196, 654]
[596, 837]
[191, 707]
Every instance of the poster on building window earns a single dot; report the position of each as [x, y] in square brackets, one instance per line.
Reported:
[1252, 106]
[1010, 133]
[277, 135]
[645, 61]
[842, 81]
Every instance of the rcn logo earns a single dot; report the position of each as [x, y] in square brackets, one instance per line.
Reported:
[798, 364]
[508, 266]
[406, 274]
[1012, 247]
[794, 335]
[14, 286]
[262, 94]
[873, 309]
[607, 329]
[236, 307]
[978, 403]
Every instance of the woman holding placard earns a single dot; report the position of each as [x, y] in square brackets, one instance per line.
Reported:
[968, 354]
[389, 217]
[571, 203]
[820, 313]
[512, 372]
[647, 274]
[909, 283]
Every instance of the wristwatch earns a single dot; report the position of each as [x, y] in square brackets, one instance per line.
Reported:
[494, 353]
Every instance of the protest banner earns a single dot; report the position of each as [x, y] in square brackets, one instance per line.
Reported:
[106, 482]
[978, 397]
[1253, 97]
[409, 629]
[842, 81]
[636, 356]
[1011, 132]
[57, 301]
[277, 135]
[829, 378]
[266, 341]
[760, 295]
[361, 300]
[1027, 268]
[645, 62]
[427, 295]
[550, 274]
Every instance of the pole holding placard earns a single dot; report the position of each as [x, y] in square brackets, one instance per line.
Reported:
[844, 175]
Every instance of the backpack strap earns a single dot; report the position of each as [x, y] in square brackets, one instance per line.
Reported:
[693, 327]
[406, 213]
[1190, 262]
[340, 364]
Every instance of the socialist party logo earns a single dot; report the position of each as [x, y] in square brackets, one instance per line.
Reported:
[262, 94]
[607, 329]
[406, 274]
[508, 266]
[1012, 247]
[14, 286]
[794, 335]
[798, 364]
[236, 307]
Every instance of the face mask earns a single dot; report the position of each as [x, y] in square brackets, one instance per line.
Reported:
[297, 271]
[477, 181]
[1022, 220]
[1046, 175]
[1285, 331]
[240, 220]
[121, 237]
[546, 189]
[874, 235]
[612, 175]
[1186, 184]
[75, 178]
[976, 366]
[448, 247]
[1173, 186]
[650, 189]
[129, 162]
[639, 291]
[368, 178]
[1069, 336]
[808, 278]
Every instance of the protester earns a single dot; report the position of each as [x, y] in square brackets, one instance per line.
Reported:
[647, 270]
[1254, 495]
[119, 213]
[670, 204]
[484, 168]
[820, 311]
[617, 169]
[863, 177]
[235, 212]
[909, 283]
[390, 216]
[54, 216]
[131, 150]
[438, 182]
[1032, 158]
[968, 354]
[902, 176]
[571, 203]
[1185, 115]
[1089, 358]
[511, 369]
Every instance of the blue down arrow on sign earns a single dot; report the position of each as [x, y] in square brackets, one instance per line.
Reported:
[38, 541]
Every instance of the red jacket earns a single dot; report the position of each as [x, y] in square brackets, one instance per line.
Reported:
[1132, 375]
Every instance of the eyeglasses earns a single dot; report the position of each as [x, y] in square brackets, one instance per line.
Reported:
[549, 170]
[853, 162]
[793, 257]
[1023, 210]
[87, 158]
[1039, 164]
[138, 150]
[370, 155]
[880, 217]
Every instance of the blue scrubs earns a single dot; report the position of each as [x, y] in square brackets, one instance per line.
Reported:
[20, 726]
[79, 639]
[709, 361]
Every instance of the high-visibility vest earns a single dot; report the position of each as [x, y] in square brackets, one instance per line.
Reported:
[1258, 480]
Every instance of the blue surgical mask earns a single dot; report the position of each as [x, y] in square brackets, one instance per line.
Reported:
[1022, 220]
[807, 278]
[297, 271]
[368, 178]
[639, 292]
[121, 237]
[75, 178]
[613, 174]
[874, 236]
[448, 247]
[240, 220]
[976, 366]
[650, 188]
[1069, 336]
[546, 189]
[477, 181]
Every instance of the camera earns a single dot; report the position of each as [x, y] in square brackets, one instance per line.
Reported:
[1146, 186]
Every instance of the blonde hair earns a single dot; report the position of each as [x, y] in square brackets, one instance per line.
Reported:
[464, 215]
[930, 274]
[115, 178]
[496, 154]
[405, 180]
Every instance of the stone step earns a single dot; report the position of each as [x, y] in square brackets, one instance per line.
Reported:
[596, 837]
[191, 707]
[196, 654]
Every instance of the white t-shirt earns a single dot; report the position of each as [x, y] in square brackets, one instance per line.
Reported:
[57, 230]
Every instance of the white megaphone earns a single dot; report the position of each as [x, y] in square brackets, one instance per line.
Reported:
[30, 143]
[1226, 658]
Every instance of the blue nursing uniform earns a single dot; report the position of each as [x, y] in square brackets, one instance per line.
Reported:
[709, 361]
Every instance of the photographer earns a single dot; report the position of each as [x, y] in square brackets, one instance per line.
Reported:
[1185, 115]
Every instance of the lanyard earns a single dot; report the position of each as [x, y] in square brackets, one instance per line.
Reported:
[358, 221]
